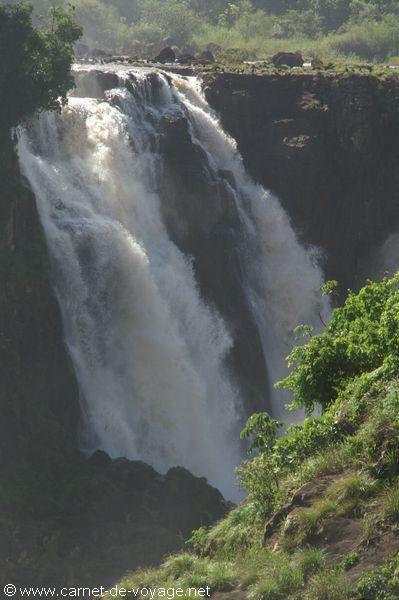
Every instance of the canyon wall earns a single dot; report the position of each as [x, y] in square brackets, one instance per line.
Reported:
[327, 143]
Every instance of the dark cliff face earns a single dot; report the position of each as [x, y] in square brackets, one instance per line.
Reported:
[39, 395]
[328, 146]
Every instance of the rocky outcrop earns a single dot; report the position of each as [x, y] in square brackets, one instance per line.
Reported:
[288, 59]
[117, 515]
[166, 55]
[327, 144]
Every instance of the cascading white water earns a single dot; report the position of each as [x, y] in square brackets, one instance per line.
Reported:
[284, 279]
[148, 352]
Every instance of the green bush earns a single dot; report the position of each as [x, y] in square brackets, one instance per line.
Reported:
[262, 475]
[344, 370]
[379, 584]
[263, 430]
[361, 336]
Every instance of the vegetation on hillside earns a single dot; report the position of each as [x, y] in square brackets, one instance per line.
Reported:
[355, 29]
[328, 488]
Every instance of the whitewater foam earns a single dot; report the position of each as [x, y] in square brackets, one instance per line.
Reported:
[148, 352]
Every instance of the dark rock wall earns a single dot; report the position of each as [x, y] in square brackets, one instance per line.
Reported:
[328, 146]
[38, 392]
[116, 516]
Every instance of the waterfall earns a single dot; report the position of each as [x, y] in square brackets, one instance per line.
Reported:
[150, 349]
[284, 279]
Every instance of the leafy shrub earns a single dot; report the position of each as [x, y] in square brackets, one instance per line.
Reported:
[263, 430]
[302, 441]
[347, 562]
[261, 476]
[379, 584]
[361, 336]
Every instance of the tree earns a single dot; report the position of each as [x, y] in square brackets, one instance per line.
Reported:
[173, 17]
[35, 68]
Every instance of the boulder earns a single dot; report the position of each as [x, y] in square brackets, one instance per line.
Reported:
[206, 57]
[167, 55]
[100, 459]
[289, 59]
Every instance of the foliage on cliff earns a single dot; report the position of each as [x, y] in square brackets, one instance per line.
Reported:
[321, 518]
[35, 64]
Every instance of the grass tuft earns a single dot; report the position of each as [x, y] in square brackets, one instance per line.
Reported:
[328, 586]
[391, 503]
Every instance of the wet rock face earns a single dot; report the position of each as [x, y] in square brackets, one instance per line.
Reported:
[201, 215]
[328, 146]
